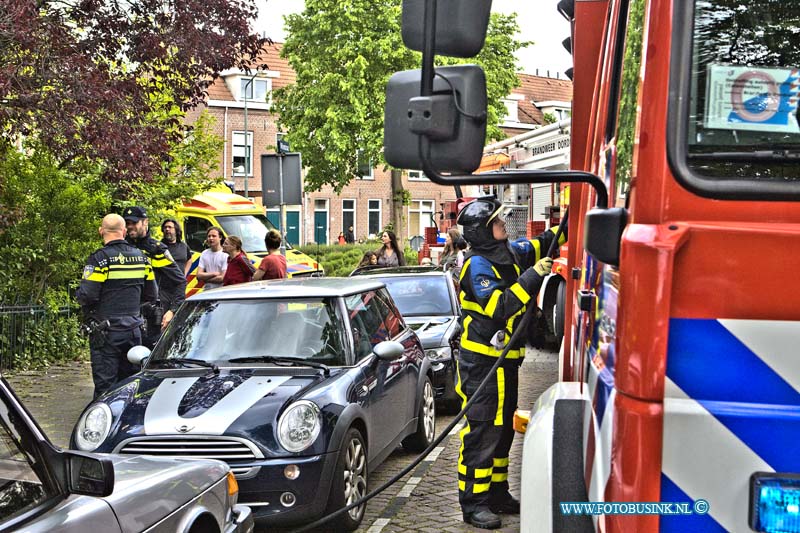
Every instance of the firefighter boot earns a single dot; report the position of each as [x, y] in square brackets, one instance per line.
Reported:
[482, 518]
[509, 505]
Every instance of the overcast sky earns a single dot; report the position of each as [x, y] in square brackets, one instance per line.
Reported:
[538, 19]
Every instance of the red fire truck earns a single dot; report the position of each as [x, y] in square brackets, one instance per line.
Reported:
[678, 405]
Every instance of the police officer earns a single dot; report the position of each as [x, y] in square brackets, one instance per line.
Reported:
[498, 279]
[171, 281]
[117, 279]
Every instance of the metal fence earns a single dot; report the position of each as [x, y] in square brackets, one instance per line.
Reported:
[19, 325]
[516, 222]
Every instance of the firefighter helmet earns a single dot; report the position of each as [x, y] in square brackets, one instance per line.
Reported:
[476, 218]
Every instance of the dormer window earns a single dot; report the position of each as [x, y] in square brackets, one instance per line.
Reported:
[512, 113]
[254, 89]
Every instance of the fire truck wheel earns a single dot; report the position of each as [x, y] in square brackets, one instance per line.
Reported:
[558, 310]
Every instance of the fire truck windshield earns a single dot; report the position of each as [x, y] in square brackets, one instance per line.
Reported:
[745, 85]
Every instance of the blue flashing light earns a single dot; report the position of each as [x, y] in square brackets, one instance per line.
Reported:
[776, 505]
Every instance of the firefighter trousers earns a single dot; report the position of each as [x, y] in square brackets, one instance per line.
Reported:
[486, 439]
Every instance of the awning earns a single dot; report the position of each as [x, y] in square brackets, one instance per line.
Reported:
[491, 162]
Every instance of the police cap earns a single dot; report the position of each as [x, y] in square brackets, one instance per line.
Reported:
[134, 213]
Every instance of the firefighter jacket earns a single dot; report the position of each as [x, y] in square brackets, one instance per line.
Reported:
[117, 279]
[494, 295]
[170, 279]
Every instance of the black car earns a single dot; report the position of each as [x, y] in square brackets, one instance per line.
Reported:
[428, 299]
[302, 386]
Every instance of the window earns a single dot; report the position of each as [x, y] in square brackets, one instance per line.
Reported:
[734, 130]
[364, 165]
[195, 232]
[367, 322]
[242, 153]
[257, 91]
[512, 114]
[420, 214]
[374, 217]
[348, 214]
[417, 175]
[392, 319]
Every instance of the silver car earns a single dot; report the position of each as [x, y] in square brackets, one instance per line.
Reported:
[44, 488]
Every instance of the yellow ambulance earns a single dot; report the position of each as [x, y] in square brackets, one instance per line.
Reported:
[236, 215]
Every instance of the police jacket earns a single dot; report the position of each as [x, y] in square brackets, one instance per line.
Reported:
[170, 279]
[494, 295]
[117, 279]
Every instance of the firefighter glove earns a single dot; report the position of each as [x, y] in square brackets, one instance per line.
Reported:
[543, 266]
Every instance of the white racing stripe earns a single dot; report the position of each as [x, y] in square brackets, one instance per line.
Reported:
[774, 342]
[161, 416]
[698, 455]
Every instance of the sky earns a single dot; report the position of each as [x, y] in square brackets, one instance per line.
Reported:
[538, 20]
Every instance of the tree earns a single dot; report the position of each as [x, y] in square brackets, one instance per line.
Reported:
[343, 52]
[90, 76]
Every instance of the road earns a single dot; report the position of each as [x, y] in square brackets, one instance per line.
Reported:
[425, 500]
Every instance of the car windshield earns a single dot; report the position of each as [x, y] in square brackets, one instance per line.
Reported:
[250, 228]
[420, 295]
[222, 330]
[745, 78]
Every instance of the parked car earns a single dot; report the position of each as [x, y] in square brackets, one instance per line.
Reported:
[303, 386]
[428, 299]
[46, 489]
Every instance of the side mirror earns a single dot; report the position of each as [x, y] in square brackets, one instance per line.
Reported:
[460, 26]
[89, 475]
[388, 350]
[138, 355]
[603, 235]
[453, 119]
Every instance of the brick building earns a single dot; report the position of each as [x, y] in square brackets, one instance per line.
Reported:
[366, 203]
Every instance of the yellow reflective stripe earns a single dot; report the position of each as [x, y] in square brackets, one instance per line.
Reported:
[496, 273]
[501, 396]
[462, 486]
[483, 472]
[470, 305]
[537, 247]
[491, 307]
[148, 273]
[501, 462]
[117, 266]
[126, 275]
[486, 350]
[477, 488]
[99, 277]
[520, 293]
[562, 239]
[464, 269]
[499, 477]
[160, 263]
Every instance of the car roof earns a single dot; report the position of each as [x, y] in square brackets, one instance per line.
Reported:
[404, 271]
[291, 288]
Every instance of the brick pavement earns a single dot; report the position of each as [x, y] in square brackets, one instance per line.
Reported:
[426, 500]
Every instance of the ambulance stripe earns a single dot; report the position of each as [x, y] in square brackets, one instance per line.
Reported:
[708, 362]
[772, 341]
[670, 492]
[706, 459]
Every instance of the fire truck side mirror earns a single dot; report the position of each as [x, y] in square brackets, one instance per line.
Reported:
[453, 119]
[460, 26]
[603, 234]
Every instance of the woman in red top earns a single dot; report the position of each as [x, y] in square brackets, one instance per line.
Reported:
[273, 266]
[240, 269]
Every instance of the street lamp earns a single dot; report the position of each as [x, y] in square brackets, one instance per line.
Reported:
[248, 85]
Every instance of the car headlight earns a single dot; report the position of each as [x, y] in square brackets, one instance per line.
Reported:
[438, 354]
[299, 426]
[93, 427]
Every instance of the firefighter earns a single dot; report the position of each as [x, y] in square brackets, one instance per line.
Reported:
[498, 280]
[171, 281]
[117, 280]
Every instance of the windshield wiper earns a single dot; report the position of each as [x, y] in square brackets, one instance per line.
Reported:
[188, 361]
[280, 361]
[756, 155]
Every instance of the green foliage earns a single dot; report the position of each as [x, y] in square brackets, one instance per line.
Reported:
[404, 196]
[341, 260]
[550, 118]
[343, 52]
[47, 339]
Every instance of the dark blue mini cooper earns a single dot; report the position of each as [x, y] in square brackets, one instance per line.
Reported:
[301, 386]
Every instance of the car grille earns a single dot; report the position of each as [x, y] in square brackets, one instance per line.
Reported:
[228, 449]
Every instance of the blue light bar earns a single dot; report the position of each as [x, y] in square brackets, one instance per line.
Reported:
[775, 502]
